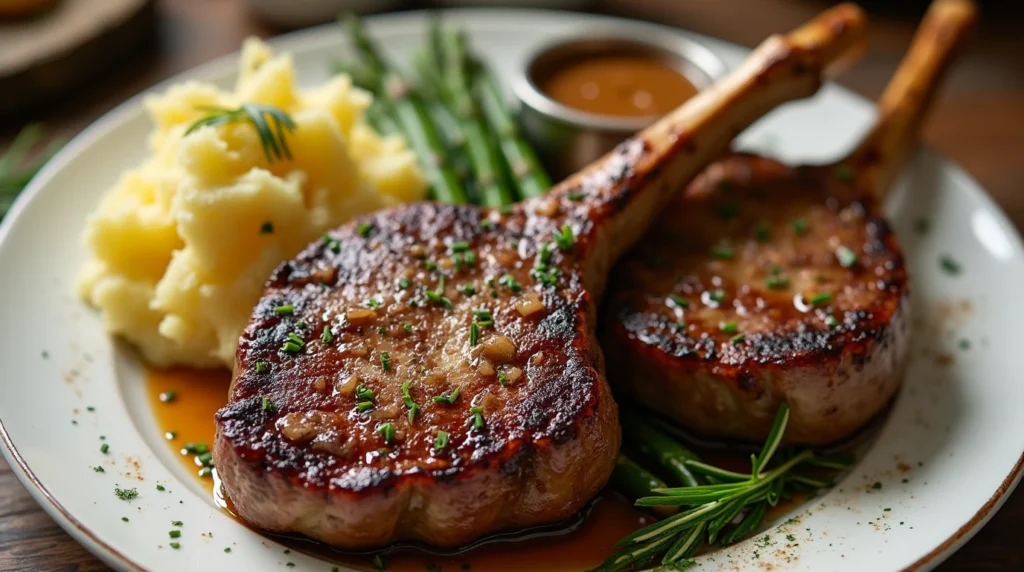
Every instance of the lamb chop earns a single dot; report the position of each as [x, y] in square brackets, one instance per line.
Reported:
[431, 372]
[765, 283]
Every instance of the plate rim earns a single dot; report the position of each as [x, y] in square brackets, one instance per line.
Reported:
[110, 555]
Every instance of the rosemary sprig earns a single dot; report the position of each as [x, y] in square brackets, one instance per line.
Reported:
[270, 123]
[729, 509]
[17, 169]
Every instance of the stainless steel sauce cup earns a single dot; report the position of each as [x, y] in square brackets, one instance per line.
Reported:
[569, 139]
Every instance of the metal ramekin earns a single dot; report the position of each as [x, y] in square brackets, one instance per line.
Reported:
[569, 139]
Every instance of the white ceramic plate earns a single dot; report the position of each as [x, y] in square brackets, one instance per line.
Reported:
[945, 459]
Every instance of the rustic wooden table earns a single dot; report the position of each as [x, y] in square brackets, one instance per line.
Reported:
[978, 122]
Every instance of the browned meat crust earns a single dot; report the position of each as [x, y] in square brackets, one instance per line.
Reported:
[763, 284]
[531, 435]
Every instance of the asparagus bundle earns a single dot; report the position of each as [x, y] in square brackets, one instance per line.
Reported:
[454, 116]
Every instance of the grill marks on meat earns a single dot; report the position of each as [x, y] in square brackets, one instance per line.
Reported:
[400, 294]
[763, 284]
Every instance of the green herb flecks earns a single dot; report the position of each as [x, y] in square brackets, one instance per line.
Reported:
[266, 405]
[284, 310]
[801, 226]
[387, 430]
[385, 361]
[447, 398]
[564, 239]
[126, 494]
[271, 124]
[950, 266]
[845, 173]
[326, 336]
[509, 282]
[477, 414]
[364, 229]
[820, 298]
[408, 401]
[846, 257]
[441, 441]
[723, 252]
[168, 396]
[332, 244]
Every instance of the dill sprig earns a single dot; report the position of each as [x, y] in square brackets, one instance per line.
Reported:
[17, 168]
[727, 509]
[270, 123]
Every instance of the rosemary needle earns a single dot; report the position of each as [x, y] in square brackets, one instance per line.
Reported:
[726, 511]
[270, 124]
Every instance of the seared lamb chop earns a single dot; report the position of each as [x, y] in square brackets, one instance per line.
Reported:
[431, 372]
[765, 284]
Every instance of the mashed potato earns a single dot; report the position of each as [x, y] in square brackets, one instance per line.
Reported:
[182, 244]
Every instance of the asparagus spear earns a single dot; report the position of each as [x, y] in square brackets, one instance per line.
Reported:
[658, 447]
[531, 180]
[410, 114]
[633, 481]
[481, 148]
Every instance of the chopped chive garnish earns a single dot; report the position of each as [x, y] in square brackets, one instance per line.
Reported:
[483, 315]
[441, 441]
[949, 265]
[161, 488]
[728, 327]
[544, 253]
[458, 262]
[284, 310]
[364, 406]
[679, 301]
[409, 403]
[678, 327]
[196, 448]
[385, 361]
[478, 417]
[403, 283]
[470, 258]
[267, 405]
[474, 334]
[104, 448]
[99, 469]
[844, 173]
[205, 459]
[738, 338]
[447, 398]
[177, 523]
[460, 246]
[509, 282]
[326, 336]
[379, 563]
[364, 229]
[717, 295]
[468, 289]
[175, 545]
[821, 298]
[373, 303]
[430, 265]
[564, 238]
[846, 257]
[205, 472]
[387, 430]
[723, 252]
[503, 379]
[575, 196]
[227, 549]
[262, 366]
[333, 244]
[168, 396]
[124, 519]
[831, 321]
[363, 392]
[801, 226]
[777, 282]
[174, 534]
[407, 328]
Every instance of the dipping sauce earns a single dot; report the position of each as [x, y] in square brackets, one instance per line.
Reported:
[623, 85]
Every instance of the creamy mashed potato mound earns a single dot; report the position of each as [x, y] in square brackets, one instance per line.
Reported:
[182, 245]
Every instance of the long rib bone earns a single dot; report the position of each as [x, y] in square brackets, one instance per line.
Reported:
[907, 98]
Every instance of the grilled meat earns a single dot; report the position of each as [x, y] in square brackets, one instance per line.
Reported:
[431, 372]
[765, 284]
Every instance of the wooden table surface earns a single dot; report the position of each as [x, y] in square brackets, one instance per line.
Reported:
[978, 121]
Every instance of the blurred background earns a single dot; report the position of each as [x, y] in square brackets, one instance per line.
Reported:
[63, 63]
